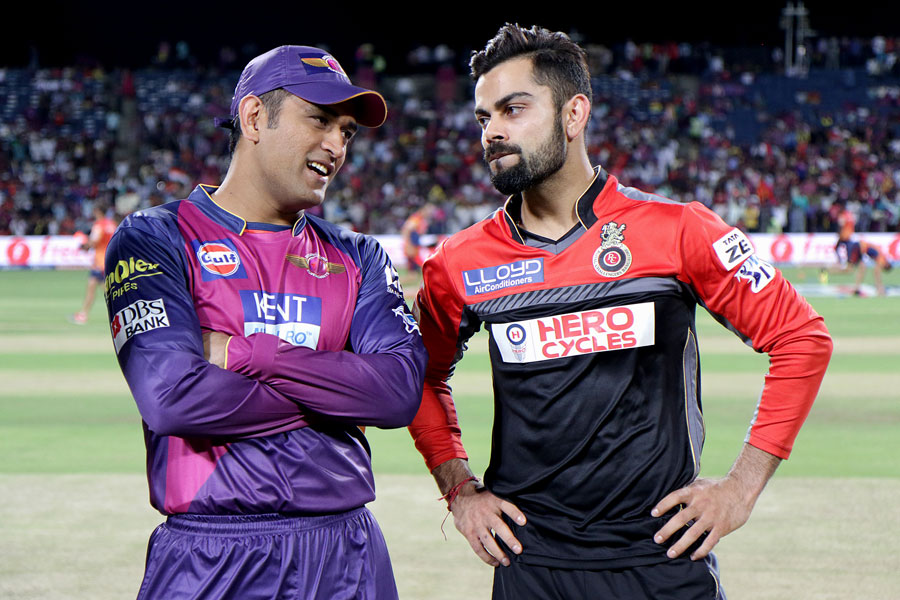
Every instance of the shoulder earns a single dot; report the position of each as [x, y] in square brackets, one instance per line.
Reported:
[358, 245]
[159, 222]
[335, 233]
[155, 217]
[638, 198]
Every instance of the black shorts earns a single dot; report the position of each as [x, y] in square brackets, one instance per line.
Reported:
[676, 579]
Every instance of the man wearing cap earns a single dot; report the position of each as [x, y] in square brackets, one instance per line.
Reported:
[257, 341]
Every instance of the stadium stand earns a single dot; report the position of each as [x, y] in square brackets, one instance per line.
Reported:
[768, 152]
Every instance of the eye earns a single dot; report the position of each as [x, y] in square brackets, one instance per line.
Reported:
[320, 119]
[348, 134]
[482, 121]
[514, 109]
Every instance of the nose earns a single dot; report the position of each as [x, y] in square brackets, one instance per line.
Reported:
[493, 132]
[334, 143]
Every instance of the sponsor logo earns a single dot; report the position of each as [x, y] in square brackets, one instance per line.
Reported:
[393, 281]
[124, 274]
[219, 259]
[491, 279]
[613, 257]
[294, 318]
[757, 272]
[408, 321]
[138, 317]
[315, 264]
[326, 61]
[575, 334]
[517, 335]
[732, 248]
[18, 252]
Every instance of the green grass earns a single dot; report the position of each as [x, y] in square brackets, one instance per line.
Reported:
[72, 445]
[40, 350]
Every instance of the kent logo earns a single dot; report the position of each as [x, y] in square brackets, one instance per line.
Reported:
[219, 259]
[138, 317]
[491, 279]
[294, 318]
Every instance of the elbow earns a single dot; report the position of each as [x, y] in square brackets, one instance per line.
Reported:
[164, 414]
[408, 390]
[163, 423]
[406, 406]
[823, 346]
[411, 408]
[827, 348]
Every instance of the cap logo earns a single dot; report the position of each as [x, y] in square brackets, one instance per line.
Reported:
[324, 62]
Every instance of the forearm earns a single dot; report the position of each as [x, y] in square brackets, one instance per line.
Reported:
[435, 430]
[382, 390]
[181, 394]
[159, 344]
[751, 471]
[796, 368]
[450, 473]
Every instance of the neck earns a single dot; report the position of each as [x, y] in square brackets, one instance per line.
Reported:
[248, 197]
[548, 209]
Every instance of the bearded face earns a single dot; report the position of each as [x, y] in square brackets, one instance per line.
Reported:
[533, 167]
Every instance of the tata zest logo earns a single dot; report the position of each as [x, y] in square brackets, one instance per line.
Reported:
[219, 258]
[491, 279]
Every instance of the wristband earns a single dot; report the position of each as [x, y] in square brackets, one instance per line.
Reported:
[454, 491]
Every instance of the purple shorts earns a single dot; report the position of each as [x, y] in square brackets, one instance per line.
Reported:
[330, 557]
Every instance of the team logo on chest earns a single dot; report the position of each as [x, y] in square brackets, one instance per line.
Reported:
[316, 264]
[613, 257]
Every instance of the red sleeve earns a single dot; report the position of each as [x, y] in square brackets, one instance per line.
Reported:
[752, 298]
[439, 310]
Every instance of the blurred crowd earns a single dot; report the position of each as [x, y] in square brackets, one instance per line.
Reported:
[689, 122]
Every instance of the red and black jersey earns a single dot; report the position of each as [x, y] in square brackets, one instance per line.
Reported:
[595, 363]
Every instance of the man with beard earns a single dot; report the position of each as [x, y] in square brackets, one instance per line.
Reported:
[588, 289]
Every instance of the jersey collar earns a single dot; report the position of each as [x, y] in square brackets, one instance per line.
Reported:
[202, 198]
[584, 206]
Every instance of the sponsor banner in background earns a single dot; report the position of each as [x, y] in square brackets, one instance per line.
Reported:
[816, 248]
[43, 251]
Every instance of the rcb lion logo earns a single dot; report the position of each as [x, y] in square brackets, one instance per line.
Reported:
[613, 257]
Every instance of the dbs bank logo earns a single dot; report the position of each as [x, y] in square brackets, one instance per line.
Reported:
[136, 318]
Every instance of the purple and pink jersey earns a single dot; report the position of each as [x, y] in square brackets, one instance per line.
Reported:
[322, 343]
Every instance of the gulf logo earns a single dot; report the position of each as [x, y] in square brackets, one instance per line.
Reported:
[218, 259]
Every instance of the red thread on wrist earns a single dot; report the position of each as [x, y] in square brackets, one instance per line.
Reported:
[454, 491]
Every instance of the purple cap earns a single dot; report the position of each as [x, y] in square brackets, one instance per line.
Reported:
[311, 74]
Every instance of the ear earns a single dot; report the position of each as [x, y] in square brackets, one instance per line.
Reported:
[250, 111]
[575, 114]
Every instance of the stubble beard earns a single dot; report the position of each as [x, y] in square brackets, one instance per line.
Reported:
[533, 169]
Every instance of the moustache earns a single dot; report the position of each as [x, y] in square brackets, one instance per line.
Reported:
[499, 148]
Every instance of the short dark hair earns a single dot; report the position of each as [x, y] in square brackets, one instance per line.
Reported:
[557, 62]
[272, 101]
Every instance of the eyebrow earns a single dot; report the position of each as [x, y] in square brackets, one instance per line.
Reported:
[503, 101]
[325, 108]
